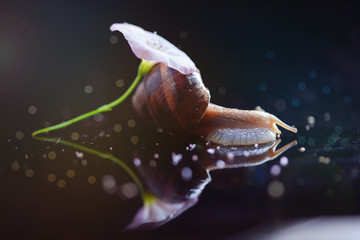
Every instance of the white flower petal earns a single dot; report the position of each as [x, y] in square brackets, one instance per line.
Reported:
[152, 47]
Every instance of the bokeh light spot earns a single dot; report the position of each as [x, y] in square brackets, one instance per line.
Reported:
[347, 99]
[51, 177]
[119, 83]
[61, 183]
[222, 90]
[52, 155]
[88, 89]
[15, 166]
[302, 86]
[114, 39]
[134, 140]
[280, 105]
[326, 89]
[129, 190]
[32, 110]
[186, 173]
[19, 135]
[262, 87]
[276, 189]
[117, 128]
[312, 74]
[109, 184]
[74, 136]
[92, 179]
[131, 123]
[29, 173]
[295, 102]
[70, 173]
[270, 55]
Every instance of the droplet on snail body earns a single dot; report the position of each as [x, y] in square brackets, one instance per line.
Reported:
[176, 158]
[186, 173]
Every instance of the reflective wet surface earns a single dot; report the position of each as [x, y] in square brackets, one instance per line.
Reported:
[116, 176]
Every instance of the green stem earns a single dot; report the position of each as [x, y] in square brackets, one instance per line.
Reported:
[144, 67]
[101, 155]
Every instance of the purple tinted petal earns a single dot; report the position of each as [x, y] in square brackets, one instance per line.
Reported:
[152, 47]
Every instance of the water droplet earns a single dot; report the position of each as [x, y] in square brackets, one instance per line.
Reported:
[300, 182]
[326, 89]
[70, 173]
[311, 121]
[270, 55]
[176, 158]
[295, 102]
[354, 173]
[61, 183]
[276, 189]
[302, 86]
[262, 87]
[324, 160]
[79, 154]
[230, 156]
[220, 164]
[222, 90]
[134, 139]
[211, 150]
[131, 123]
[52, 155]
[311, 142]
[91, 179]
[119, 83]
[19, 135]
[84, 162]
[117, 128]
[129, 190]
[98, 117]
[275, 170]
[330, 192]
[75, 136]
[327, 117]
[338, 129]
[51, 177]
[114, 39]
[32, 110]
[347, 99]
[337, 178]
[284, 161]
[88, 89]
[184, 34]
[280, 105]
[192, 146]
[186, 173]
[109, 184]
[312, 74]
[152, 163]
[137, 162]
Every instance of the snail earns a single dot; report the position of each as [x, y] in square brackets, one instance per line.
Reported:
[173, 96]
[181, 103]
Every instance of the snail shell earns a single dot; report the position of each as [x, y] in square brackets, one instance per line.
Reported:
[171, 100]
[180, 103]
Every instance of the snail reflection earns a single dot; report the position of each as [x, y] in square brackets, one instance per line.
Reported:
[171, 187]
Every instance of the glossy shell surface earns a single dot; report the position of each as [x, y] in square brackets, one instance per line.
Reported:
[171, 100]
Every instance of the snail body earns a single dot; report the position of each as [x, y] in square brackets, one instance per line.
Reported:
[181, 103]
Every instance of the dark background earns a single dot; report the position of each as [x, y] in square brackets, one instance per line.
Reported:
[249, 53]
